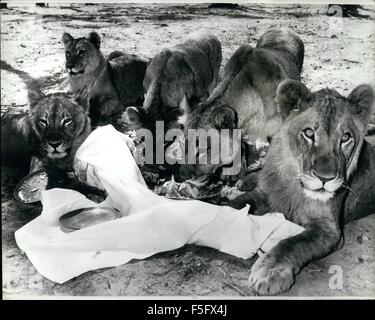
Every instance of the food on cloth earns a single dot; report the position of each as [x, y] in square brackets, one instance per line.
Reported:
[136, 146]
[86, 217]
[176, 151]
[196, 189]
[230, 193]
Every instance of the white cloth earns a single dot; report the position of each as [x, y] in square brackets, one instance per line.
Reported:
[151, 223]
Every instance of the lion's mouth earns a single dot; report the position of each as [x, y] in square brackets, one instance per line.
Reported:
[319, 194]
[73, 72]
[316, 189]
[57, 155]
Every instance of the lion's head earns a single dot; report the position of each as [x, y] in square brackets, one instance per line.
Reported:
[60, 124]
[320, 141]
[83, 57]
[216, 122]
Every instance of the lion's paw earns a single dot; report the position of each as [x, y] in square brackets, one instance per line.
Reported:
[270, 278]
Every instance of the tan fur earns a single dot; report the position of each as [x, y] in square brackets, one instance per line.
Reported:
[56, 119]
[317, 182]
[248, 87]
[251, 77]
[186, 72]
[110, 85]
[25, 136]
[67, 123]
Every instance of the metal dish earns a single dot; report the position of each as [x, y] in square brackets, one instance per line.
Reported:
[86, 217]
[29, 189]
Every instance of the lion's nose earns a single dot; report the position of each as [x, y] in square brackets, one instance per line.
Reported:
[69, 65]
[55, 144]
[324, 177]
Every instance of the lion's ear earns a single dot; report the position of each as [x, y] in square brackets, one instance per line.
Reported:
[82, 101]
[188, 105]
[34, 96]
[66, 38]
[361, 101]
[134, 116]
[94, 38]
[184, 105]
[291, 95]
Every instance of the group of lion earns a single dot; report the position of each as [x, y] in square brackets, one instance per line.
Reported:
[318, 169]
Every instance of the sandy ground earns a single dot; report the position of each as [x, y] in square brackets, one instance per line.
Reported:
[339, 54]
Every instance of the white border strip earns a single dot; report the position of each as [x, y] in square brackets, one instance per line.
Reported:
[275, 2]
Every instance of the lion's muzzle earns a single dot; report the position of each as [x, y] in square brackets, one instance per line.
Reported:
[74, 71]
[56, 150]
[320, 188]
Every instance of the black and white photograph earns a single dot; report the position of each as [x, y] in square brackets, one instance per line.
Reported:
[175, 150]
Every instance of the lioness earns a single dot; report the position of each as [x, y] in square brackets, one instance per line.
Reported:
[176, 79]
[319, 172]
[111, 85]
[49, 135]
[245, 97]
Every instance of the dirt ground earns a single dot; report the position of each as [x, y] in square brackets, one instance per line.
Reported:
[339, 54]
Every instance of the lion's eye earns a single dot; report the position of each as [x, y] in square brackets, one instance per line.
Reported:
[66, 122]
[346, 137]
[81, 52]
[43, 122]
[309, 133]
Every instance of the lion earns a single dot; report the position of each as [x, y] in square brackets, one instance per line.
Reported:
[49, 132]
[111, 85]
[47, 136]
[319, 172]
[245, 97]
[176, 79]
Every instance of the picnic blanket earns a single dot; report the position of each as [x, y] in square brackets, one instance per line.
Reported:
[150, 223]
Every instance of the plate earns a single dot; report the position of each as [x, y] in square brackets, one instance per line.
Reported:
[86, 217]
[29, 189]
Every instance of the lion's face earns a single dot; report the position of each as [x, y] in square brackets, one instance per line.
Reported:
[60, 124]
[215, 123]
[324, 137]
[82, 55]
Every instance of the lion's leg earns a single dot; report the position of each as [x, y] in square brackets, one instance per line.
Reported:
[248, 182]
[256, 199]
[274, 272]
[216, 69]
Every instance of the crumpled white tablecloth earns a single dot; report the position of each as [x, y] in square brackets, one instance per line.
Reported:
[151, 223]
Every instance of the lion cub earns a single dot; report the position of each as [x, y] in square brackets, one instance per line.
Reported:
[319, 172]
[110, 85]
[176, 79]
[49, 133]
[245, 97]
[48, 136]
